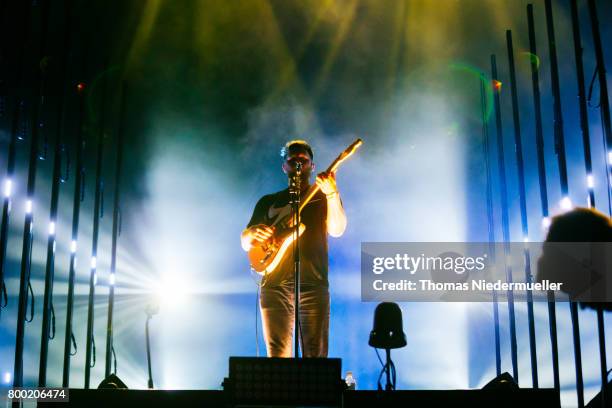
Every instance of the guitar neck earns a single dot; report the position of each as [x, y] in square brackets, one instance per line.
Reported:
[331, 169]
[309, 194]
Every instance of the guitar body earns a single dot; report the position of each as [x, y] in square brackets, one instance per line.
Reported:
[265, 256]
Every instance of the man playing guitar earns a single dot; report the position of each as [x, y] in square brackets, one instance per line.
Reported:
[322, 215]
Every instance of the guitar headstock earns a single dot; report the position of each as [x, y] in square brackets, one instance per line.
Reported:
[354, 146]
[348, 152]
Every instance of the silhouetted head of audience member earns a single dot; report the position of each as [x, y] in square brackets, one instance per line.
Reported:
[583, 264]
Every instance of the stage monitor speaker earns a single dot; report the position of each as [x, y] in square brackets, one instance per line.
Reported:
[500, 398]
[116, 398]
[504, 381]
[112, 382]
[596, 401]
[264, 381]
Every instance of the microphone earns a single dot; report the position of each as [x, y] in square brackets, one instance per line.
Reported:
[152, 308]
[295, 179]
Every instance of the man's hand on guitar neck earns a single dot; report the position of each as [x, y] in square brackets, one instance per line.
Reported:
[258, 233]
[336, 218]
[327, 183]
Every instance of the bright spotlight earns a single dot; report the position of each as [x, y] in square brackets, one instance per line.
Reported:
[111, 279]
[28, 207]
[566, 203]
[8, 187]
[590, 181]
[610, 158]
[7, 377]
[525, 239]
[52, 228]
[545, 222]
[73, 246]
[170, 294]
[93, 262]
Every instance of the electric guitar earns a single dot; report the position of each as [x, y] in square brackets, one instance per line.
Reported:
[265, 256]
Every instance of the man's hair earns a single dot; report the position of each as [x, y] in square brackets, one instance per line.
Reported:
[296, 145]
[588, 282]
[580, 225]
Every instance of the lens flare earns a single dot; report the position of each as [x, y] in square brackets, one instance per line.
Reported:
[533, 59]
[488, 90]
[590, 181]
[566, 203]
[8, 187]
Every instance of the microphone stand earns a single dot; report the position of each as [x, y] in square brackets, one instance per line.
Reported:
[295, 189]
[389, 386]
[150, 310]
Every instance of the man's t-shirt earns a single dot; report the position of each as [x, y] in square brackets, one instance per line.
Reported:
[313, 242]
